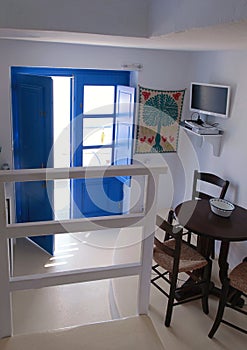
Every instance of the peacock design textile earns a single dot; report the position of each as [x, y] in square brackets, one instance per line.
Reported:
[158, 120]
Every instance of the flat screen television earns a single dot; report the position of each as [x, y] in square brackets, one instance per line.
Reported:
[210, 99]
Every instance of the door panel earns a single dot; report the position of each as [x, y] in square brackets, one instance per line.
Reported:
[124, 138]
[32, 141]
[124, 127]
[98, 197]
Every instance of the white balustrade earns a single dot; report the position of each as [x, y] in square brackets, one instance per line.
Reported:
[9, 283]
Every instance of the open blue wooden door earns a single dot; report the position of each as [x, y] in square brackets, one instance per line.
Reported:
[123, 144]
[32, 142]
[124, 126]
[102, 197]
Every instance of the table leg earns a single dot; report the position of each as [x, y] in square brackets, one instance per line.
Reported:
[223, 264]
[204, 246]
[223, 268]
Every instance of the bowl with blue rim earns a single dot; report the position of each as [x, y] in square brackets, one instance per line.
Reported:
[221, 207]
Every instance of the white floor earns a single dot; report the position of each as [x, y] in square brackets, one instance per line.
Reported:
[70, 305]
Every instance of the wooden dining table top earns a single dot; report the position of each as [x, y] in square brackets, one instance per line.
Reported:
[196, 216]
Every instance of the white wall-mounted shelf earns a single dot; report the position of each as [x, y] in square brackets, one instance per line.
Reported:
[214, 140]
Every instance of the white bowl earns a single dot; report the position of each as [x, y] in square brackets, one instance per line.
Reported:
[221, 207]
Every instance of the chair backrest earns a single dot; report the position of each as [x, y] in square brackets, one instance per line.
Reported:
[171, 231]
[238, 277]
[170, 219]
[211, 179]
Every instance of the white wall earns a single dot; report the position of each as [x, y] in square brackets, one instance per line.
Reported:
[228, 68]
[162, 70]
[179, 15]
[116, 17]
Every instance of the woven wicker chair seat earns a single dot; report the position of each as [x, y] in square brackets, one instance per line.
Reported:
[238, 277]
[190, 259]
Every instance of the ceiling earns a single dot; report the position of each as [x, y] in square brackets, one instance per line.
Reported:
[227, 36]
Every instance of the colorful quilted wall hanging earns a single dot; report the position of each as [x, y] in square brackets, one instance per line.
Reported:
[158, 120]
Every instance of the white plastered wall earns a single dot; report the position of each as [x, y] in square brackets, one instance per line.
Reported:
[227, 68]
[161, 70]
[82, 16]
[181, 15]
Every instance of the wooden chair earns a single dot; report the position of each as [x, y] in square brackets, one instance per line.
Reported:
[237, 280]
[211, 179]
[218, 183]
[172, 256]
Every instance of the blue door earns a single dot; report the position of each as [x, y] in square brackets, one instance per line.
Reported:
[124, 124]
[32, 141]
[106, 130]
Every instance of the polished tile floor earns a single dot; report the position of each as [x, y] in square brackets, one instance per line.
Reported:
[70, 305]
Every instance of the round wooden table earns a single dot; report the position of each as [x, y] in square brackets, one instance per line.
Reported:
[196, 216]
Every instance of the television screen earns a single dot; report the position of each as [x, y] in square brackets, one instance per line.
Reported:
[210, 99]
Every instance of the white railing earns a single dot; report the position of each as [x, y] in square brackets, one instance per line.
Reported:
[9, 283]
